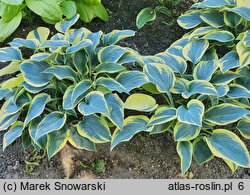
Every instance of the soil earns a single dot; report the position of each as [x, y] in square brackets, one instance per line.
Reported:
[144, 156]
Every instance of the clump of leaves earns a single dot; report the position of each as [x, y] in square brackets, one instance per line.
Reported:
[205, 79]
[148, 14]
[51, 11]
[67, 90]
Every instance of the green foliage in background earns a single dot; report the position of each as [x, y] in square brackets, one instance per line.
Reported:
[149, 14]
[51, 11]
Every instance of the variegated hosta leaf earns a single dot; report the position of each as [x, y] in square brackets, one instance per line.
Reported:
[37, 106]
[79, 142]
[75, 93]
[224, 114]
[109, 67]
[117, 35]
[202, 31]
[202, 153]
[193, 114]
[116, 109]
[40, 56]
[8, 120]
[232, 20]
[213, 18]
[132, 125]
[10, 54]
[13, 82]
[246, 38]
[214, 3]
[41, 142]
[27, 43]
[225, 144]
[11, 68]
[221, 36]
[95, 129]
[63, 26]
[194, 50]
[111, 53]
[80, 61]
[244, 12]
[33, 73]
[56, 141]
[79, 46]
[162, 115]
[62, 72]
[14, 132]
[111, 84]
[222, 90]
[199, 87]
[176, 63]
[50, 123]
[204, 70]
[238, 91]
[219, 78]
[185, 132]
[161, 75]
[189, 20]
[185, 151]
[229, 61]
[243, 127]
[244, 54]
[132, 79]
[41, 34]
[140, 102]
[95, 103]
[157, 129]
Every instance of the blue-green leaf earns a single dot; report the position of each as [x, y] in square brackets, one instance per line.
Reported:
[79, 46]
[219, 78]
[204, 70]
[185, 132]
[194, 50]
[80, 142]
[7, 121]
[231, 19]
[221, 36]
[50, 123]
[244, 12]
[202, 153]
[132, 79]
[238, 91]
[95, 103]
[161, 75]
[41, 34]
[111, 84]
[243, 127]
[27, 43]
[213, 18]
[132, 125]
[222, 90]
[162, 115]
[56, 141]
[176, 63]
[37, 106]
[10, 54]
[117, 35]
[190, 20]
[224, 114]
[185, 151]
[40, 56]
[14, 133]
[193, 114]
[33, 73]
[229, 61]
[199, 87]
[62, 72]
[95, 129]
[225, 144]
[111, 53]
[116, 109]
[109, 67]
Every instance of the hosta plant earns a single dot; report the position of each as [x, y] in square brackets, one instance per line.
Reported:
[51, 11]
[205, 79]
[65, 89]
